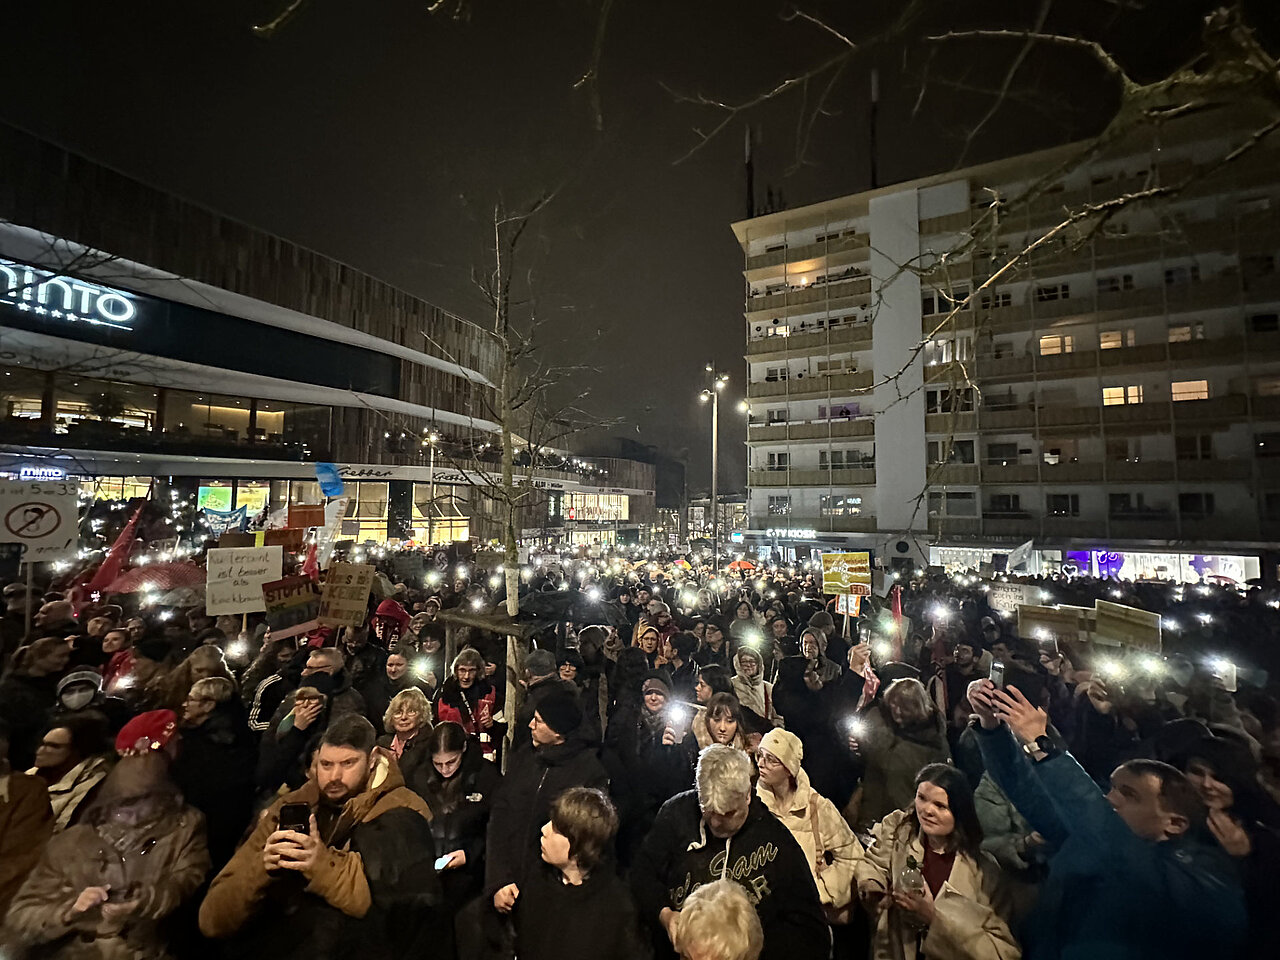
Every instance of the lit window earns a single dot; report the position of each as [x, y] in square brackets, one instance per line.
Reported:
[1190, 390]
[1186, 333]
[1052, 346]
[1114, 396]
[1114, 339]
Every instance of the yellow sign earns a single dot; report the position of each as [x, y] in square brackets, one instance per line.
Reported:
[1127, 626]
[846, 573]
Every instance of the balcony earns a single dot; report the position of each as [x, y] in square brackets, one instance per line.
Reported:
[950, 422]
[822, 385]
[943, 527]
[1131, 471]
[1015, 526]
[1071, 527]
[862, 427]
[1153, 525]
[1010, 473]
[856, 476]
[854, 336]
[804, 299]
[953, 473]
[828, 249]
[844, 524]
[1019, 418]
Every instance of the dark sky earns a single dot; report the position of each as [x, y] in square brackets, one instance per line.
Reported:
[382, 136]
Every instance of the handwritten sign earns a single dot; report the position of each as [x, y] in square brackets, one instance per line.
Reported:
[235, 578]
[1011, 596]
[293, 606]
[846, 574]
[42, 517]
[291, 538]
[409, 567]
[1127, 626]
[1064, 624]
[345, 599]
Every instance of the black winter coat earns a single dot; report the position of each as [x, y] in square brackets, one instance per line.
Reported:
[534, 779]
[214, 771]
[680, 854]
[600, 911]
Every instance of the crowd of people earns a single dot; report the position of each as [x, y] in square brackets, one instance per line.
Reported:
[719, 766]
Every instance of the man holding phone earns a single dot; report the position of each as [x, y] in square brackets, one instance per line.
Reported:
[330, 863]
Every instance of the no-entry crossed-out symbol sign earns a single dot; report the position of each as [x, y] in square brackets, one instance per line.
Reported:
[32, 520]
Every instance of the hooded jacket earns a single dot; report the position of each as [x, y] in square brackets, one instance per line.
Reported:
[968, 923]
[894, 755]
[681, 854]
[830, 848]
[534, 779]
[368, 895]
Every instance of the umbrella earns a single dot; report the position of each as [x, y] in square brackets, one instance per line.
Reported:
[158, 576]
[683, 564]
[742, 565]
[182, 597]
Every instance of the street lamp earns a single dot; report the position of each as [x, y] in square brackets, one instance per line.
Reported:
[712, 393]
[432, 439]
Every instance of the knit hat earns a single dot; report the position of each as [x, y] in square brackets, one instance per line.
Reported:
[655, 682]
[572, 658]
[560, 711]
[91, 677]
[540, 663]
[147, 731]
[786, 746]
[822, 620]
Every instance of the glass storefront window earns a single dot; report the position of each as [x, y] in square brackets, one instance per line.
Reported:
[217, 495]
[117, 488]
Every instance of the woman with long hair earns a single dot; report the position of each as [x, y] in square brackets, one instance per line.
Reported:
[930, 889]
[168, 691]
[467, 699]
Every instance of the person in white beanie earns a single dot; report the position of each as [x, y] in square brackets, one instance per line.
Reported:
[829, 846]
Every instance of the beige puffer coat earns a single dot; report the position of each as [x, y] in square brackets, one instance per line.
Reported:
[808, 813]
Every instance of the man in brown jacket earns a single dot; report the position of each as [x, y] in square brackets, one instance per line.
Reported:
[361, 881]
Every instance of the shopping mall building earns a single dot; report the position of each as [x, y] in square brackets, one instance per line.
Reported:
[143, 338]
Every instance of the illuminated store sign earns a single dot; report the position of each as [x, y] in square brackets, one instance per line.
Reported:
[65, 298]
[41, 473]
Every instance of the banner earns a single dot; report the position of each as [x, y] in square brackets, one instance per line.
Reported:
[225, 521]
[345, 600]
[293, 606]
[1127, 626]
[235, 578]
[846, 574]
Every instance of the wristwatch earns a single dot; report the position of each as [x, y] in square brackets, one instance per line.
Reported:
[1041, 748]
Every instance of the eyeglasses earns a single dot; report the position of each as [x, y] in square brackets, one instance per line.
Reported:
[766, 759]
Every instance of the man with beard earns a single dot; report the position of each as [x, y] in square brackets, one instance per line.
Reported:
[360, 881]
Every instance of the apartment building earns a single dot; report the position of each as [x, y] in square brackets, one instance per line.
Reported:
[918, 389]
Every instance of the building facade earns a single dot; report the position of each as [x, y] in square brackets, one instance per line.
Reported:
[943, 369]
[144, 338]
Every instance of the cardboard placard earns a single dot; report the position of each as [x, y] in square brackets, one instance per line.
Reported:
[293, 606]
[291, 538]
[1062, 624]
[409, 566]
[846, 574]
[236, 539]
[849, 604]
[1011, 596]
[306, 515]
[43, 516]
[235, 577]
[1127, 626]
[345, 599]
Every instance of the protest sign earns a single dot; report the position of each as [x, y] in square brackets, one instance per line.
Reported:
[238, 539]
[345, 599]
[235, 577]
[1011, 596]
[1061, 624]
[42, 516]
[1127, 626]
[333, 514]
[291, 538]
[293, 606]
[846, 573]
[306, 515]
[409, 567]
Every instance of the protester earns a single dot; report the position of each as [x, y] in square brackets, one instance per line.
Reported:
[359, 881]
[541, 679]
[1129, 876]
[407, 718]
[718, 922]
[72, 760]
[752, 690]
[574, 880]
[467, 699]
[720, 830]
[26, 823]
[29, 691]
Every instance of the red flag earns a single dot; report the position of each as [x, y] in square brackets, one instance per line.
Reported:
[897, 622]
[310, 566]
[113, 563]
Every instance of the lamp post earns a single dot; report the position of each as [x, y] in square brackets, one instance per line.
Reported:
[431, 440]
[712, 393]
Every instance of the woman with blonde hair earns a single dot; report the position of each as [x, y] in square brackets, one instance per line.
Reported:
[830, 847]
[407, 718]
[648, 638]
[169, 691]
[718, 922]
[928, 886]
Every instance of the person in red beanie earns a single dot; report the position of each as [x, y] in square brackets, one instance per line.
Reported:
[154, 730]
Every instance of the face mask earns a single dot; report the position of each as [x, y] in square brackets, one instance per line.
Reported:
[321, 681]
[77, 698]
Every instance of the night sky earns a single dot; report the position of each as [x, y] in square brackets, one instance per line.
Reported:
[382, 136]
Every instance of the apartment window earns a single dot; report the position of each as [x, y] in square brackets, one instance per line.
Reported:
[1189, 390]
[1115, 284]
[955, 451]
[840, 413]
[777, 415]
[1267, 444]
[779, 506]
[838, 459]
[779, 461]
[942, 301]
[948, 401]
[997, 300]
[1114, 339]
[1062, 504]
[1119, 504]
[1052, 346]
[1118, 448]
[962, 504]
[1180, 276]
[840, 506]
[1005, 503]
[1115, 396]
[1001, 454]
[1186, 333]
[835, 366]
[1268, 387]
[1195, 504]
[1197, 446]
[775, 373]
[1053, 291]
[1265, 322]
